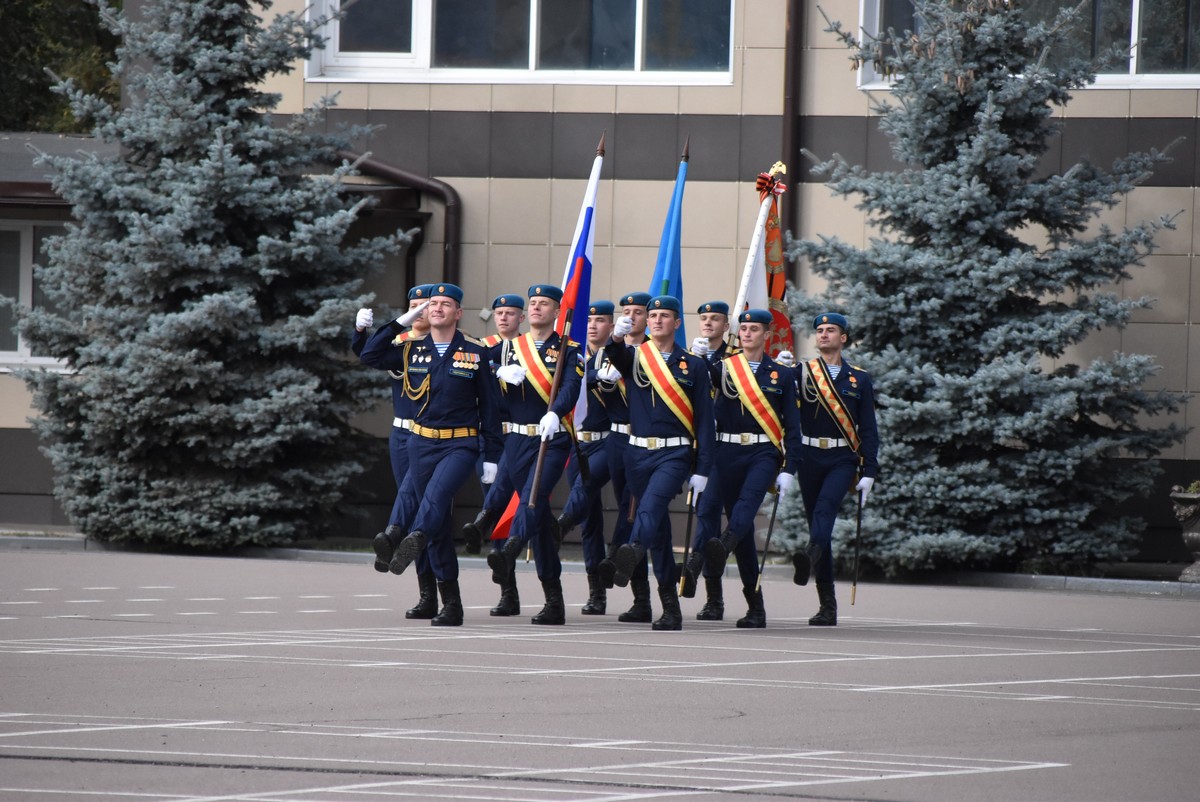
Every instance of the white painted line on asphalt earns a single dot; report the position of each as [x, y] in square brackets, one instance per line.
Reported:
[370, 595]
[145, 600]
[29, 793]
[8, 618]
[156, 587]
[44, 590]
[133, 615]
[196, 613]
[103, 587]
[1044, 681]
[316, 611]
[206, 598]
[316, 597]
[84, 601]
[259, 598]
[154, 725]
[21, 602]
[257, 612]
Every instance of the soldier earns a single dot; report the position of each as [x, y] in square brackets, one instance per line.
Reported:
[446, 376]
[532, 417]
[758, 449]
[840, 441]
[714, 327]
[584, 504]
[508, 313]
[635, 306]
[670, 443]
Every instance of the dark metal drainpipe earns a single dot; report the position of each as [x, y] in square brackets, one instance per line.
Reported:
[451, 225]
[793, 49]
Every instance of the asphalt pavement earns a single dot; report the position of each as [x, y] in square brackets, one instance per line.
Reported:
[135, 676]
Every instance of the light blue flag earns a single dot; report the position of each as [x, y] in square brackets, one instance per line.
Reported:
[668, 268]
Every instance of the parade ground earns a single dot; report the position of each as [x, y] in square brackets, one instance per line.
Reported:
[147, 677]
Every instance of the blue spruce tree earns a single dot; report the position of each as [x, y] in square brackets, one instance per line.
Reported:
[201, 299]
[995, 452]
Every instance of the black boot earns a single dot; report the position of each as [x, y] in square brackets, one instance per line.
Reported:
[626, 559]
[640, 612]
[409, 549]
[607, 569]
[827, 615]
[714, 606]
[692, 569]
[756, 614]
[565, 525]
[474, 532]
[717, 550]
[597, 601]
[426, 606]
[554, 612]
[385, 545]
[672, 618]
[510, 600]
[451, 614]
[502, 560]
[803, 561]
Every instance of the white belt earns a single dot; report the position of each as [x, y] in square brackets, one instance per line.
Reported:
[619, 428]
[743, 439]
[402, 423]
[824, 442]
[655, 443]
[527, 429]
[591, 437]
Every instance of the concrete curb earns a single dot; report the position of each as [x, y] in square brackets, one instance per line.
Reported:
[1129, 587]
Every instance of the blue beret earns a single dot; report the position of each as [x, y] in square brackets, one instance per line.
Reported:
[714, 306]
[834, 318]
[421, 291]
[666, 302]
[636, 299]
[546, 291]
[515, 301]
[755, 316]
[601, 308]
[452, 291]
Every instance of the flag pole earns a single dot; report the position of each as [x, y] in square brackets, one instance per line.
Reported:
[760, 226]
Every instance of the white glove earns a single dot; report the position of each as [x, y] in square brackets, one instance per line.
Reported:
[412, 314]
[697, 483]
[864, 489]
[364, 320]
[549, 426]
[623, 326]
[700, 347]
[785, 483]
[787, 359]
[511, 374]
[489, 473]
[608, 373]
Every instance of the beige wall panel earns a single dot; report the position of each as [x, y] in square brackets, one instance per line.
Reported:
[566, 199]
[349, 96]
[761, 79]
[398, 97]
[1168, 343]
[811, 284]
[632, 269]
[460, 97]
[710, 99]
[519, 211]
[595, 99]
[1167, 280]
[1099, 345]
[815, 36]
[518, 97]
[601, 268]
[1114, 218]
[709, 274]
[514, 268]
[639, 212]
[290, 86]
[1163, 103]
[827, 86]
[1194, 306]
[710, 214]
[475, 194]
[16, 403]
[1034, 235]
[647, 100]
[832, 216]
[1099, 103]
[763, 23]
[1150, 203]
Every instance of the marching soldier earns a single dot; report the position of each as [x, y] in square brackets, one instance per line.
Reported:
[446, 376]
[532, 418]
[636, 307]
[714, 328]
[840, 442]
[671, 442]
[758, 449]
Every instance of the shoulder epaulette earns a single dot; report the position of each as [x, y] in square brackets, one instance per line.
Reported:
[403, 337]
[475, 341]
[574, 344]
[491, 340]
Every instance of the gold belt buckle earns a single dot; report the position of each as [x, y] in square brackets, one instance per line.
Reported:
[651, 442]
[822, 442]
[745, 438]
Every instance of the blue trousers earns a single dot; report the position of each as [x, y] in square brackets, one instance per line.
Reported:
[826, 476]
[737, 485]
[398, 452]
[533, 526]
[656, 477]
[437, 469]
[584, 503]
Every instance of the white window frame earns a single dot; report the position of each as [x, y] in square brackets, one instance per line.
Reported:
[330, 66]
[22, 357]
[870, 80]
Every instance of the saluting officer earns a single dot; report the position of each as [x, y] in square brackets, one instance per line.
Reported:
[671, 442]
[446, 375]
[840, 441]
[526, 379]
[758, 449]
[508, 313]
[714, 327]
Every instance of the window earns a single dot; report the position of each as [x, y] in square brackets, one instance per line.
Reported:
[21, 247]
[529, 41]
[1169, 32]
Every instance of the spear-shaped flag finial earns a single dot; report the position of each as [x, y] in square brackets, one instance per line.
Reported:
[686, 142]
[600, 147]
